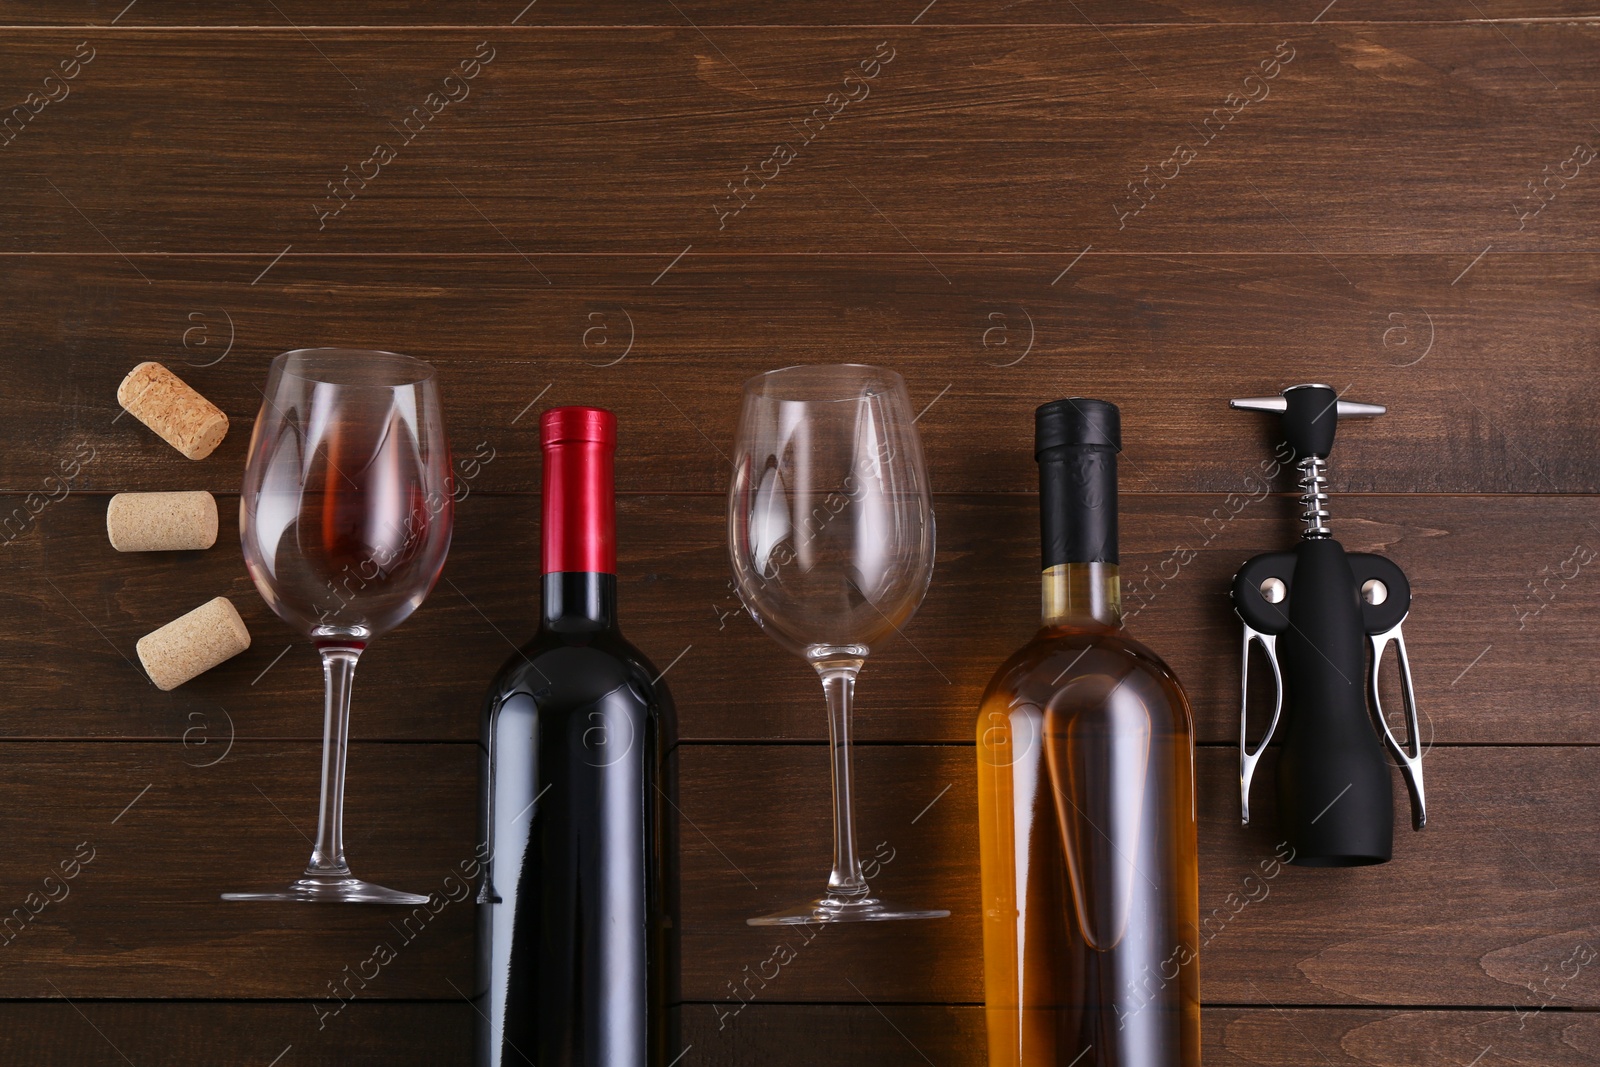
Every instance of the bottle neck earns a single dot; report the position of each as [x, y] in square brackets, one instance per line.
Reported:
[1082, 595]
[580, 600]
[578, 537]
[1078, 505]
[579, 532]
[1078, 533]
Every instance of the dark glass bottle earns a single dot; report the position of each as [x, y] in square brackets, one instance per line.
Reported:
[1086, 800]
[577, 909]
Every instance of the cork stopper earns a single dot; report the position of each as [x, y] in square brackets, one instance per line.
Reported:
[179, 416]
[194, 643]
[162, 522]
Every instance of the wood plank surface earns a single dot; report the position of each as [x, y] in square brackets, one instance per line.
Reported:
[209, 1034]
[100, 1034]
[1403, 209]
[1501, 634]
[166, 831]
[1498, 892]
[1480, 909]
[914, 1036]
[1485, 379]
[717, 13]
[1019, 139]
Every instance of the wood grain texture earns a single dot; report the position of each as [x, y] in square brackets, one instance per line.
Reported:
[54, 1034]
[892, 1035]
[1490, 381]
[168, 831]
[197, 1034]
[1495, 894]
[564, 233]
[717, 13]
[201, 1034]
[1502, 632]
[1020, 139]
[1482, 908]
[912, 1035]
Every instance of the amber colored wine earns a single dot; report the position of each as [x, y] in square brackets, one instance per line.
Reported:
[1086, 801]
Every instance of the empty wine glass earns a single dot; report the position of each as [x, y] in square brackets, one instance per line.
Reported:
[345, 521]
[830, 529]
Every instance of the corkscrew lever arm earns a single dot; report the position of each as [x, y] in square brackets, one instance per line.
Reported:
[1409, 755]
[1345, 409]
[1248, 757]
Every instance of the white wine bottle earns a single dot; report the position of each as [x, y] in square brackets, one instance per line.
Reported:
[1086, 800]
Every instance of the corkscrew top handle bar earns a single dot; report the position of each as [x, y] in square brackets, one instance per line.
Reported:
[1311, 413]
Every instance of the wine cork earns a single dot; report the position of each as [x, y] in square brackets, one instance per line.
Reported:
[194, 643]
[179, 416]
[161, 522]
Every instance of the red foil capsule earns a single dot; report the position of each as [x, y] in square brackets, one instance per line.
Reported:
[580, 503]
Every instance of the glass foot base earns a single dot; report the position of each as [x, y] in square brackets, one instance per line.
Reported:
[843, 910]
[325, 890]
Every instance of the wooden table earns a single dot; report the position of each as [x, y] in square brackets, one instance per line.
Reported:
[1162, 204]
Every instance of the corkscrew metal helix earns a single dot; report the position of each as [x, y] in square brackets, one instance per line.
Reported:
[1324, 618]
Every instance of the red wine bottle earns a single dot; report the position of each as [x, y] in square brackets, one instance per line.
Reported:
[576, 912]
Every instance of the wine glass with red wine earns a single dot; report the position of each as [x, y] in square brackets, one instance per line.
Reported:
[830, 530]
[345, 521]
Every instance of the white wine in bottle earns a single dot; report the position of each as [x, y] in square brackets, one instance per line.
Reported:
[1086, 800]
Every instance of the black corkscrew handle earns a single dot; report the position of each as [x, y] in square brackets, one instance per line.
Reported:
[1334, 802]
[1324, 618]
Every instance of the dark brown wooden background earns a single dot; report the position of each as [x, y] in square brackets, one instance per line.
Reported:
[552, 239]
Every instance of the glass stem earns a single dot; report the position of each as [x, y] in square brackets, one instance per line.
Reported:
[839, 685]
[338, 675]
